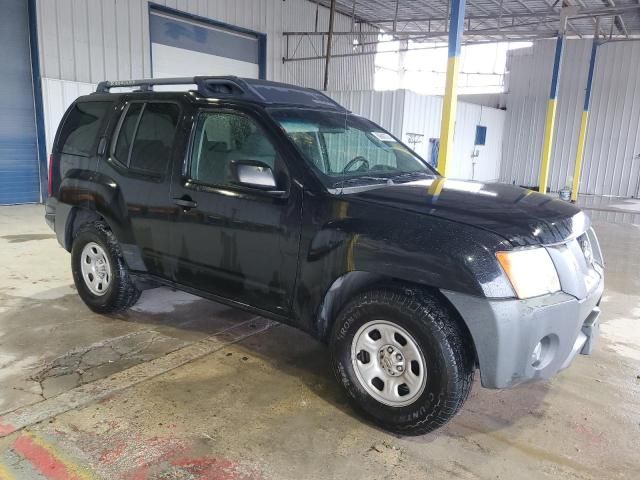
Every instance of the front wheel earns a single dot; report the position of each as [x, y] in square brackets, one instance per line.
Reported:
[403, 360]
[100, 272]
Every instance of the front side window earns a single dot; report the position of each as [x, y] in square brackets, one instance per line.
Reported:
[346, 150]
[222, 138]
[80, 129]
[146, 134]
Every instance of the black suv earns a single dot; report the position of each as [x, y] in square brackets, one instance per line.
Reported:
[275, 199]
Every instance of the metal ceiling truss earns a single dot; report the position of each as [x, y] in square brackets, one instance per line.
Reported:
[486, 21]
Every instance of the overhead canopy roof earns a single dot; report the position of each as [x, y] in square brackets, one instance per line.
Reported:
[493, 20]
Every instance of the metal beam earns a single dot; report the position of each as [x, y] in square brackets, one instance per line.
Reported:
[619, 23]
[332, 12]
[395, 18]
[450, 101]
[505, 16]
[576, 13]
[579, 13]
[539, 36]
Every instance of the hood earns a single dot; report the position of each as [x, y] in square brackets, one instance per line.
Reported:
[523, 217]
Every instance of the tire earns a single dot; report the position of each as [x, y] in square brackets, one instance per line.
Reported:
[97, 246]
[431, 395]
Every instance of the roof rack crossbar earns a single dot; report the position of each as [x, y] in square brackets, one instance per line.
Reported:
[145, 83]
[207, 86]
[233, 87]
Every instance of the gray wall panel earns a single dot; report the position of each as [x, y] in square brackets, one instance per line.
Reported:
[90, 40]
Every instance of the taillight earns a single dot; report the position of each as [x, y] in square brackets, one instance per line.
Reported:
[50, 176]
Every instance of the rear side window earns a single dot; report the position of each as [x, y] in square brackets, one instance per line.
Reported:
[127, 131]
[154, 139]
[146, 136]
[80, 129]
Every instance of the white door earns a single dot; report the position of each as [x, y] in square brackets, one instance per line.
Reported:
[182, 47]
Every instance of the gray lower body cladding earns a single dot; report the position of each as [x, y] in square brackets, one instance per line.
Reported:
[522, 340]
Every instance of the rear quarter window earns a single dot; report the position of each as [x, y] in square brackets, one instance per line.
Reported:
[81, 127]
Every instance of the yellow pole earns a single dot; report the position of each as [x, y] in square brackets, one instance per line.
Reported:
[551, 116]
[450, 101]
[582, 138]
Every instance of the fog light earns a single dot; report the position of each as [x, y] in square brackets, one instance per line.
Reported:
[544, 351]
[536, 356]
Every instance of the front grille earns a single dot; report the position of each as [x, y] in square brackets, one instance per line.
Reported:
[578, 263]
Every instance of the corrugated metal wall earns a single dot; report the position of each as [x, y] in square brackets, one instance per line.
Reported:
[92, 40]
[402, 112]
[612, 166]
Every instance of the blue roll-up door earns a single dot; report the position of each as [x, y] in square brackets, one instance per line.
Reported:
[19, 172]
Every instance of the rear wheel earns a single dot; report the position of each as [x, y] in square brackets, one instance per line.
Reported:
[403, 359]
[100, 272]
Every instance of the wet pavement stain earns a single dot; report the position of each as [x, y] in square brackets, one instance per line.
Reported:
[101, 359]
[27, 237]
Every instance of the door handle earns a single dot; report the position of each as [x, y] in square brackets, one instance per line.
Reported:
[185, 202]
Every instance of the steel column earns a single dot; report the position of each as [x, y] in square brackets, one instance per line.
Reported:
[450, 102]
[545, 164]
[332, 12]
[582, 137]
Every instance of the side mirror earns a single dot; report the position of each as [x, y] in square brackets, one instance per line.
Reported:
[253, 174]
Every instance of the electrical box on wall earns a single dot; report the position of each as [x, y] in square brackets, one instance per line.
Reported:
[481, 135]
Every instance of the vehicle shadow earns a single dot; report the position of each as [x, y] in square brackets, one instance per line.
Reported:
[297, 354]
[181, 316]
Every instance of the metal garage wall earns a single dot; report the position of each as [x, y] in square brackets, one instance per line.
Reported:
[613, 138]
[92, 40]
[423, 115]
[402, 112]
[19, 168]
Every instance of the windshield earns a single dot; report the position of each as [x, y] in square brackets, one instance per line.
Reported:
[350, 151]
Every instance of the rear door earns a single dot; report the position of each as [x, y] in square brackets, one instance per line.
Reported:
[143, 146]
[236, 242]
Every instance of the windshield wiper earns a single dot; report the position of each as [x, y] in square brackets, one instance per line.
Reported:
[408, 176]
[356, 180]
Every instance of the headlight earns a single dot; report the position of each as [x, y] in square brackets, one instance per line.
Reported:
[531, 271]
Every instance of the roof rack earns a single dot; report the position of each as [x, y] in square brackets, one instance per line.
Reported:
[261, 91]
[206, 86]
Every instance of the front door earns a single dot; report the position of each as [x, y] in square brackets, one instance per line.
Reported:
[235, 242]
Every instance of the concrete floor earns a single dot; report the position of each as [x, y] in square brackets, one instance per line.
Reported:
[185, 388]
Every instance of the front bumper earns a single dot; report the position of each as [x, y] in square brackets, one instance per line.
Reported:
[522, 340]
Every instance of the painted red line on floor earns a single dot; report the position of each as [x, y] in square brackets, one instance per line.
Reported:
[46, 463]
[6, 429]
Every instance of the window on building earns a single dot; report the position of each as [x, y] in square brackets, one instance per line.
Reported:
[481, 135]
